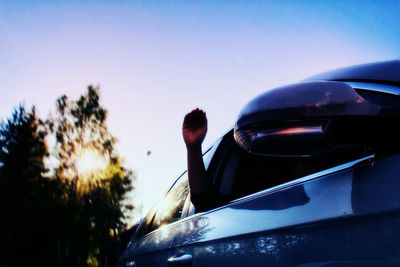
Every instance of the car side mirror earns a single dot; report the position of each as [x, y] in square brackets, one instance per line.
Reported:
[308, 118]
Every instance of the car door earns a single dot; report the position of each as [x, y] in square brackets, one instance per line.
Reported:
[326, 218]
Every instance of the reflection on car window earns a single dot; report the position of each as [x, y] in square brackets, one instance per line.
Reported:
[170, 208]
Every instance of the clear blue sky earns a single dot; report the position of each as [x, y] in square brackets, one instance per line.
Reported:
[156, 60]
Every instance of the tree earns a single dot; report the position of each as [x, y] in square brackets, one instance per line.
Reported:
[54, 212]
[93, 200]
[26, 203]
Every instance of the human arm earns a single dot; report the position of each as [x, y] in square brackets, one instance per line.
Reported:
[194, 130]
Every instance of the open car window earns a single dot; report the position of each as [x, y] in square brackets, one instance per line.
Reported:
[255, 173]
[240, 173]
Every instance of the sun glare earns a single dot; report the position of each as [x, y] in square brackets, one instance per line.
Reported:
[90, 161]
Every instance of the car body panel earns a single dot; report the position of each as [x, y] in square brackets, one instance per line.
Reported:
[150, 250]
[277, 228]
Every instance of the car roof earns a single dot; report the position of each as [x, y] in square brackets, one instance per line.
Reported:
[380, 72]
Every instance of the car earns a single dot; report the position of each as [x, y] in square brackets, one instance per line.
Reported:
[312, 176]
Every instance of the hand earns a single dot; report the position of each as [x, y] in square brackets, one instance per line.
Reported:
[194, 128]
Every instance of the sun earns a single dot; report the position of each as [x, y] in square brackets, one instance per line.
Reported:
[90, 161]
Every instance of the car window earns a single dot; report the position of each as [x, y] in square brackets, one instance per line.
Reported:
[169, 209]
[175, 205]
[240, 173]
[255, 173]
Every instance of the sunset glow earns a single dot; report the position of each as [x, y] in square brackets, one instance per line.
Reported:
[90, 161]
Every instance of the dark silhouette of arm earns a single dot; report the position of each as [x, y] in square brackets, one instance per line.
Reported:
[194, 130]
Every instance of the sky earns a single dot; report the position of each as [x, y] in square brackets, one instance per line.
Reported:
[156, 60]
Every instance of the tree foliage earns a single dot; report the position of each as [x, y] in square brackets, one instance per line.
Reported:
[57, 215]
[93, 201]
[26, 201]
